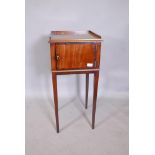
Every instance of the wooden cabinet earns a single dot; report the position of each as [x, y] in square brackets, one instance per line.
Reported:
[75, 52]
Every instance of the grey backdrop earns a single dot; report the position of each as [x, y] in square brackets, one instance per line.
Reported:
[109, 18]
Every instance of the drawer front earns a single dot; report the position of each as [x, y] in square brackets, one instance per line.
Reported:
[75, 56]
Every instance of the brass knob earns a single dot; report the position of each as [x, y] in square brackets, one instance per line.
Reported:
[57, 57]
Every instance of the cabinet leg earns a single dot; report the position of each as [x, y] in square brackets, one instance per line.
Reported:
[87, 87]
[96, 77]
[55, 94]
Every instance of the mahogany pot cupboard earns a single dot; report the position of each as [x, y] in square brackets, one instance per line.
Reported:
[75, 52]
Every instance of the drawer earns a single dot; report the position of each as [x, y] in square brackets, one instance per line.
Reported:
[76, 56]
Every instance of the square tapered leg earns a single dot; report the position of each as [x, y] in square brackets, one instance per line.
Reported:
[87, 88]
[55, 94]
[96, 77]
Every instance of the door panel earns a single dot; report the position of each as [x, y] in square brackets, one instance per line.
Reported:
[75, 56]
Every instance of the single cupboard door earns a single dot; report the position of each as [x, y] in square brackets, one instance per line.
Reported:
[75, 56]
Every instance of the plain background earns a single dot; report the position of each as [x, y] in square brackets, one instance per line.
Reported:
[109, 18]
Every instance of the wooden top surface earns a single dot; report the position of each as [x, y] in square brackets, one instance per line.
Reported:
[74, 36]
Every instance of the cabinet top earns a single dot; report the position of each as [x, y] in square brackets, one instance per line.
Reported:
[74, 36]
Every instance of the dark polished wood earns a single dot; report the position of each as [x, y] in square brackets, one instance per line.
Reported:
[66, 56]
[74, 56]
[96, 77]
[74, 36]
[75, 72]
[54, 78]
[75, 52]
[87, 88]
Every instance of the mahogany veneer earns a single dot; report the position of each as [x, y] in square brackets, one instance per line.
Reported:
[75, 52]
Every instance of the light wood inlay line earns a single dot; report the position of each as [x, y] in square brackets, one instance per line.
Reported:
[79, 70]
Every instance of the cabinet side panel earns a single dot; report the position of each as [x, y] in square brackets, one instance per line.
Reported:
[98, 53]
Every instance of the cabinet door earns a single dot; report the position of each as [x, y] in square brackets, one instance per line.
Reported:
[75, 56]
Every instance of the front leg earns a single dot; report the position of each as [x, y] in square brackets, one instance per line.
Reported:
[55, 94]
[96, 77]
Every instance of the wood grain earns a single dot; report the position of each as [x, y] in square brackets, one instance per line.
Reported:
[74, 56]
[74, 36]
